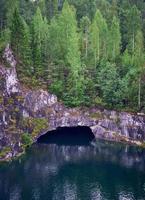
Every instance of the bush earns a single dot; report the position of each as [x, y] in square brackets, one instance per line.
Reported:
[27, 139]
[4, 152]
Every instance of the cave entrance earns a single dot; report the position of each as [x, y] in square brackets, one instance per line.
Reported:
[68, 136]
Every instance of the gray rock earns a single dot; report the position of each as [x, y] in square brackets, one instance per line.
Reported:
[105, 124]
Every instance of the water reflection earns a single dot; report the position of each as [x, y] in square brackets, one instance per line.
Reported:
[53, 172]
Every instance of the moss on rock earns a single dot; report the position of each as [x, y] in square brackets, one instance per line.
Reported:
[34, 125]
[4, 152]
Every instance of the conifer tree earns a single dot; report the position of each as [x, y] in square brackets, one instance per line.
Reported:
[20, 41]
[55, 7]
[45, 44]
[25, 49]
[11, 6]
[39, 42]
[16, 29]
[114, 8]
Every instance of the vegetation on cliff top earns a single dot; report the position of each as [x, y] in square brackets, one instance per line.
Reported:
[86, 52]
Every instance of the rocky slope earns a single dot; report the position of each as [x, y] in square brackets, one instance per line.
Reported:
[25, 115]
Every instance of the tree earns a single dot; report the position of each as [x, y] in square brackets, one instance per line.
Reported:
[133, 25]
[65, 52]
[25, 49]
[2, 14]
[139, 60]
[20, 41]
[45, 47]
[51, 7]
[114, 8]
[70, 45]
[41, 5]
[127, 63]
[95, 42]
[85, 31]
[11, 6]
[98, 37]
[134, 70]
[114, 39]
[55, 7]
[109, 84]
[84, 8]
[28, 8]
[39, 43]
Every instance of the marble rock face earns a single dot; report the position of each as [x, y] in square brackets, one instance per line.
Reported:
[18, 104]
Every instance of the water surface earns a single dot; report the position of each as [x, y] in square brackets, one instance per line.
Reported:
[54, 169]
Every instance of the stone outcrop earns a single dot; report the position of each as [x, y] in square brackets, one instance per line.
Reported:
[36, 112]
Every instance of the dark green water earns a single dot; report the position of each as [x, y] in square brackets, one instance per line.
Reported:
[65, 171]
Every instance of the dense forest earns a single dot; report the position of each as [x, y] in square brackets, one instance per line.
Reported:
[87, 52]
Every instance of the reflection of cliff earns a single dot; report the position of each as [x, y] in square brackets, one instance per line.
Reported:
[127, 156]
[75, 172]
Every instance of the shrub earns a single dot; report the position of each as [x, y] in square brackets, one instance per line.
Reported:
[26, 139]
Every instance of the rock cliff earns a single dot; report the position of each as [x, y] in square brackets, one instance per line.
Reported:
[35, 112]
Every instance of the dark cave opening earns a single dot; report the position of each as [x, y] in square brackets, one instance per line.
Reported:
[71, 136]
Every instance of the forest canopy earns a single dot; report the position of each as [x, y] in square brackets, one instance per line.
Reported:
[87, 52]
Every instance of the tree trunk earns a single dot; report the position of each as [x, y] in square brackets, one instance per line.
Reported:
[86, 46]
[139, 92]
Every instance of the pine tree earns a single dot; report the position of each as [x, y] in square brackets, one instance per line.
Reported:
[105, 8]
[20, 41]
[25, 49]
[11, 6]
[16, 29]
[39, 42]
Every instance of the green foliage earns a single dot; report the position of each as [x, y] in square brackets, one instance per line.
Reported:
[11, 6]
[98, 37]
[114, 39]
[133, 25]
[85, 32]
[20, 42]
[35, 125]
[39, 125]
[37, 33]
[65, 46]
[4, 38]
[4, 152]
[84, 8]
[26, 139]
[109, 86]
[87, 52]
